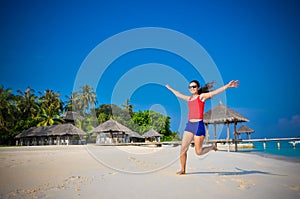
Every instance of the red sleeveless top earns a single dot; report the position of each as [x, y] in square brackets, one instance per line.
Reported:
[196, 108]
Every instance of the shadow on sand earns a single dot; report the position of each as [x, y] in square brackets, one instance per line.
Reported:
[238, 172]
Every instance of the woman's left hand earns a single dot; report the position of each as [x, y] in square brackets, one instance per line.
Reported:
[233, 84]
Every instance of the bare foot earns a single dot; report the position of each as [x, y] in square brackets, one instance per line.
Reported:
[180, 172]
[215, 148]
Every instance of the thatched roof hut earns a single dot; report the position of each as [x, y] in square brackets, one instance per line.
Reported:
[65, 129]
[54, 130]
[244, 129]
[71, 116]
[151, 133]
[55, 134]
[223, 115]
[111, 126]
[134, 134]
[33, 131]
[117, 133]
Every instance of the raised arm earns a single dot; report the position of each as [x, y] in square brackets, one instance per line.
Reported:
[178, 94]
[231, 84]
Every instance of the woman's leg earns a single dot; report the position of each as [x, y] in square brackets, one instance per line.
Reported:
[198, 141]
[186, 141]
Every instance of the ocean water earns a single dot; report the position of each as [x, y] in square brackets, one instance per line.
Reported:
[286, 150]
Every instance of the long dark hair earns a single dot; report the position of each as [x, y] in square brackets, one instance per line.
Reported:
[206, 88]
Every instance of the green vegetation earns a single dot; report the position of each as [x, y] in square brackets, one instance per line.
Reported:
[23, 110]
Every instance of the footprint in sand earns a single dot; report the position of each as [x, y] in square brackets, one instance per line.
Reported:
[140, 164]
[243, 184]
[294, 188]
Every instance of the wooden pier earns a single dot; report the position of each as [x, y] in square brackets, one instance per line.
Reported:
[265, 140]
[236, 142]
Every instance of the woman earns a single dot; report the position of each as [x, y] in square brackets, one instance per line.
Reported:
[195, 126]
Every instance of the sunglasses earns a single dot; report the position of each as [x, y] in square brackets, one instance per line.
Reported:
[192, 86]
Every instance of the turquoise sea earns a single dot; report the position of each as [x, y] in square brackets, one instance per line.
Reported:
[286, 150]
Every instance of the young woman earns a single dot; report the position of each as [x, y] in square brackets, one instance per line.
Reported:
[195, 127]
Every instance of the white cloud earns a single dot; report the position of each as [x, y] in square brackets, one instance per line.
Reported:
[289, 127]
[292, 122]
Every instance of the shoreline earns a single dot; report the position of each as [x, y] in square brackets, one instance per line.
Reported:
[246, 151]
[271, 156]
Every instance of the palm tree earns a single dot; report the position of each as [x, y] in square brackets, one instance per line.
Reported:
[87, 98]
[72, 102]
[7, 115]
[51, 107]
[27, 106]
[128, 107]
[5, 105]
[89, 123]
[102, 117]
[48, 117]
[49, 98]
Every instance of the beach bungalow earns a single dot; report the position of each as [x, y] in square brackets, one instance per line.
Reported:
[111, 132]
[134, 137]
[152, 136]
[51, 135]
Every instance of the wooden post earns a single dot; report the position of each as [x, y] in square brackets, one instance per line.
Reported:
[235, 141]
[248, 136]
[215, 131]
[207, 132]
[111, 137]
[228, 137]
[58, 140]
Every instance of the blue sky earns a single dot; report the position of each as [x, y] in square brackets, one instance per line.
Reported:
[44, 43]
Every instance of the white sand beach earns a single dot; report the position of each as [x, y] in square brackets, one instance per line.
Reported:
[140, 172]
